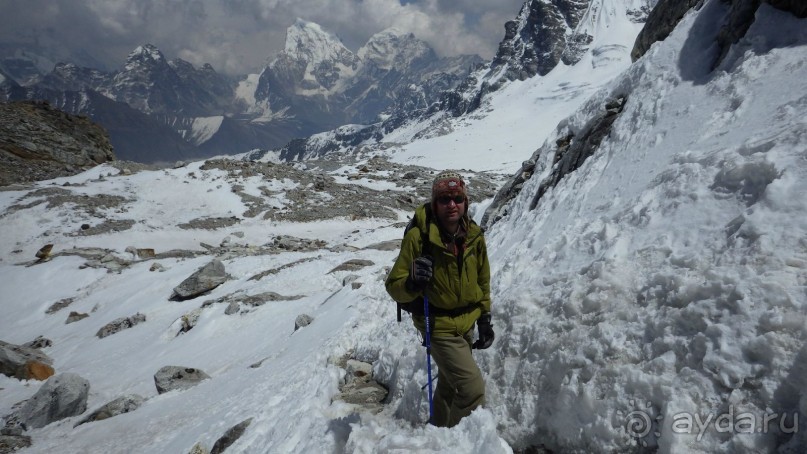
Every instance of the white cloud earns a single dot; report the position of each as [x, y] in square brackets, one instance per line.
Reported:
[237, 36]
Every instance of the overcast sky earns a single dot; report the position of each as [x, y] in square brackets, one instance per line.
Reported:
[238, 36]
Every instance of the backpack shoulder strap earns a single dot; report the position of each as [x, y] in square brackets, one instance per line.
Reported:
[425, 249]
[424, 236]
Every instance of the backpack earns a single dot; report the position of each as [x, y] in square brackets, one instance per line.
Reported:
[415, 306]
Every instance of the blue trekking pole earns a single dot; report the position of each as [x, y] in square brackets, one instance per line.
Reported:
[429, 356]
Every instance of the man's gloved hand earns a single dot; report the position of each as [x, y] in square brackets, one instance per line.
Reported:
[420, 274]
[486, 335]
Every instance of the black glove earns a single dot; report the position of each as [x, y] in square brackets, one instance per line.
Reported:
[486, 335]
[421, 273]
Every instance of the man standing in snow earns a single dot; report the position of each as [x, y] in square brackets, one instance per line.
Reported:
[444, 258]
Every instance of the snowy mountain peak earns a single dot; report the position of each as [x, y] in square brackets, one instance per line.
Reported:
[393, 48]
[146, 55]
[146, 52]
[309, 42]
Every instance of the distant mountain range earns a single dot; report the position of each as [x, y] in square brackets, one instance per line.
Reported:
[160, 110]
[544, 34]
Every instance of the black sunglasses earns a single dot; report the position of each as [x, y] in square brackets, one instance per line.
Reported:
[444, 199]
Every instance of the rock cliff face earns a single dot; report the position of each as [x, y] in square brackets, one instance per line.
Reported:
[667, 13]
[542, 36]
[38, 142]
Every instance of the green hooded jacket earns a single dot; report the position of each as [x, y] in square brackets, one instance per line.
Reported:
[448, 290]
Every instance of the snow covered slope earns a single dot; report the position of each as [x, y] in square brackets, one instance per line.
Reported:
[663, 282]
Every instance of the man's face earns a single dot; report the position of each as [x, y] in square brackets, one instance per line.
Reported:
[450, 208]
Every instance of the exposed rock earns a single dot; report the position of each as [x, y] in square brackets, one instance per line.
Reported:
[115, 225]
[290, 243]
[188, 321]
[120, 324]
[121, 405]
[156, 267]
[660, 23]
[203, 280]
[342, 200]
[141, 253]
[391, 245]
[210, 223]
[302, 320]
[108, 260]
[39, 142]
[232, 308]
[230, 437]
[796, 7]
[280, 268]
[343, 248]
[742, 14]
[359, 388]
[357, 371]
[569, 153]
[59, 305]
[170, 378]
[178, 253]
[236, 302]
[38, 343]
[198, 448]
[43, 253]
[350, 278]
[24, 363]
[535, 43]
[75, 316]
[62, 396]
[352, 265]
[12, 443]
[36, 370]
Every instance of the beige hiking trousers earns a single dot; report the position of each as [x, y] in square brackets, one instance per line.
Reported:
[460, 388]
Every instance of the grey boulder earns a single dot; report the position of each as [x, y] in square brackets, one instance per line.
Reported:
[170, 378]
[62, 396]
[120, 324]
[17, 361]
[203, 280]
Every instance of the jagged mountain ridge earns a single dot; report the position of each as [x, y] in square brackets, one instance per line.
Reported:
[320, 78]
[315, 84]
